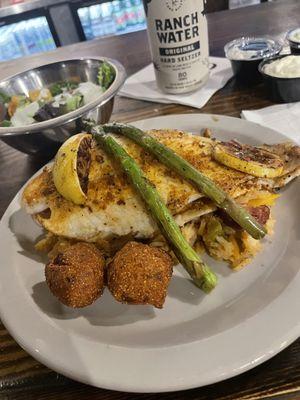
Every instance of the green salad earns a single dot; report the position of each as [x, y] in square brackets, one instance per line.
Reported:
[50, 102]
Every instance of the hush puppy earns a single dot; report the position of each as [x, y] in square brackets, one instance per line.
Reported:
[140, 274]
[76, 275]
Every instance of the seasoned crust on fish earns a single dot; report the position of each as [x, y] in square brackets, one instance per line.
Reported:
[113, 208]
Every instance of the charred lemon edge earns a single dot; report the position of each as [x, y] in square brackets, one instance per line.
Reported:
[65, 175]
[222, 155]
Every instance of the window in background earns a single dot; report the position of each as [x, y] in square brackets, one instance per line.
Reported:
[24, 38]
[243, 3]
[220, 5]
[116, 17]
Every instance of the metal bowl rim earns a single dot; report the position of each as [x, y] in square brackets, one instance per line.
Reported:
[71, 116]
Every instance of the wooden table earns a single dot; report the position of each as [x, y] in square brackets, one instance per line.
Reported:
[21, 377]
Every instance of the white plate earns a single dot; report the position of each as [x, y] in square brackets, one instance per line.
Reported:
[196, 339]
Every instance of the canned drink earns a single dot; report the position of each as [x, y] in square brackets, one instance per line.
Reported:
[178, 36]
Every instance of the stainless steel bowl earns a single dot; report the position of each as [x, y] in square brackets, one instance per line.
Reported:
[46, 136]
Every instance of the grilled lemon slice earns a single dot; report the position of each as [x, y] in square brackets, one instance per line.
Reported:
[249, 159]
[71, 168]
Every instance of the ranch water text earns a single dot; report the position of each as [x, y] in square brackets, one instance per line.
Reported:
[177, 31]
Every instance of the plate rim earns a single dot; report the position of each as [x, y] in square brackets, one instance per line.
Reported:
[140, 386]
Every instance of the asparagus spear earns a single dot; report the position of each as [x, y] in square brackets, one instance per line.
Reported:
[167, 156]
[202, 276]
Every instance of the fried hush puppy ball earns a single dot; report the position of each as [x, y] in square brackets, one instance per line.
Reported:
[76, 275]
[140, 274]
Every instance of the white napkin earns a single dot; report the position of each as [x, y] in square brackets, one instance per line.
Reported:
[284, 118]
[142, 85]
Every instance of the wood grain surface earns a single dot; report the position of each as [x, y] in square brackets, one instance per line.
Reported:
[21, 377]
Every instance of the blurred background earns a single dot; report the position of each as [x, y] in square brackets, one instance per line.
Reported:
[34, 26]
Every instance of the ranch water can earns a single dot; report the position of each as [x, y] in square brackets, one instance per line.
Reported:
[178, 36]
